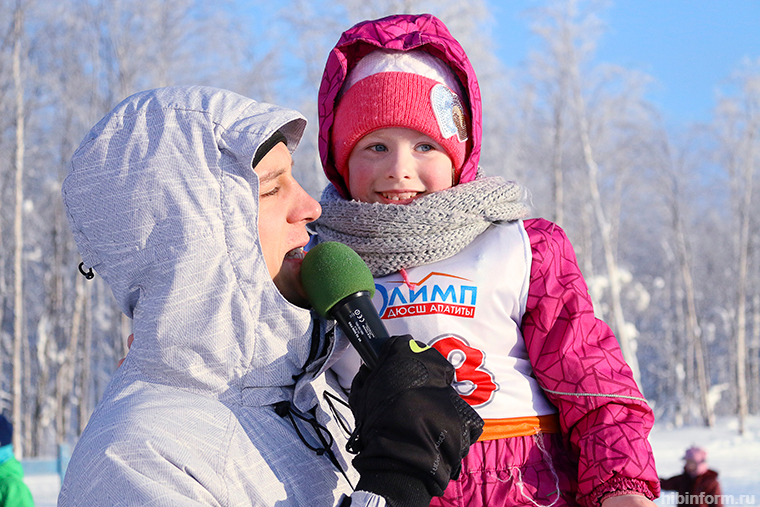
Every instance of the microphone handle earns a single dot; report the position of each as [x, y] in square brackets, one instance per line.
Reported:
[358, 318]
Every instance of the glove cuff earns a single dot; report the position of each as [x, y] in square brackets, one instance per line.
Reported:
[399, 490]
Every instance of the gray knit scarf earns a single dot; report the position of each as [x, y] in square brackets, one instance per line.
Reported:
[390, 237]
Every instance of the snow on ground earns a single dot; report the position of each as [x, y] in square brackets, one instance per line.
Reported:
[736, 458]
[44, 489]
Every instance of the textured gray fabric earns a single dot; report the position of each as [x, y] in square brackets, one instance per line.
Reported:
[163, 204]
[390, 237]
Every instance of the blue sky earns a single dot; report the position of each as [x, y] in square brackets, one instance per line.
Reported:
[687, 46]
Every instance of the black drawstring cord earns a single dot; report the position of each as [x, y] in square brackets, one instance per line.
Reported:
[352, 445]
[314, 349]
[87, 274]
[315, 352]
[339, 418]
[283, 408]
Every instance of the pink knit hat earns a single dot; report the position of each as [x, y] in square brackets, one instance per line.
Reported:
[411, 90]
[698, 457]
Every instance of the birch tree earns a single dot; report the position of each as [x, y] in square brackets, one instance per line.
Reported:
[550, 69]
[676, 169]
[604, 102]
[18, 286]
[739, 122]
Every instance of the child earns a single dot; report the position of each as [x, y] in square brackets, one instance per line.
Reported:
[696, 481]
[503, 299]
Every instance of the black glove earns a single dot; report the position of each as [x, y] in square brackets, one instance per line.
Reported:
[412, 428]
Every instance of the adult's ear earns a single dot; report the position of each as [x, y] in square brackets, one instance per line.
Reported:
[130, 339]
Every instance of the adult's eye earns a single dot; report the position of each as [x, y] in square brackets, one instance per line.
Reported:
[270, 192]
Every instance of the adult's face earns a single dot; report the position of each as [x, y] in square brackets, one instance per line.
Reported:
[284, 210]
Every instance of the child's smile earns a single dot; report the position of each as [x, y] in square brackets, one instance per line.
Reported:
[396, 166]
[399, 197]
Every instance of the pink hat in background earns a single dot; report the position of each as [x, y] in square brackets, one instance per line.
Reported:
[698, 457]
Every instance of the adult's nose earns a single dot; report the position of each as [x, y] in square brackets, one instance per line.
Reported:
[307, 209]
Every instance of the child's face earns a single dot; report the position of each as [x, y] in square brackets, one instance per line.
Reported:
[396, 166]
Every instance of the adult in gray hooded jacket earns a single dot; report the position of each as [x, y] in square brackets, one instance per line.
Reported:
[183, 200]
[164, 206]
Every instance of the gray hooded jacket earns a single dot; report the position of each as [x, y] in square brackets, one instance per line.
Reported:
[163, 203]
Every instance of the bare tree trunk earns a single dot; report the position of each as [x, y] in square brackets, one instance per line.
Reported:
[754, 357]
[43, 379]
[693, 330]
[685, 352]
[741, 306]
[588, 245]
[741, 343]
[59, 309]
[559, 196]
[28, 404]
[18, 305]
[66, 372]
[605, 228]
[681, 352]
[86, 380]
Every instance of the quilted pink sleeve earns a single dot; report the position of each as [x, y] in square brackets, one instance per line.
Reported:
[578, 362]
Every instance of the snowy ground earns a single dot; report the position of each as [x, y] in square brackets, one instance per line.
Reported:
[44, 489]
[735, 458]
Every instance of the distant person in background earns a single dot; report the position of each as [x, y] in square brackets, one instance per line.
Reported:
[697, 486]
[13, 491]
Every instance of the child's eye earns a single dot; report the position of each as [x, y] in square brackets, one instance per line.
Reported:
[425, 147]
[378, 147]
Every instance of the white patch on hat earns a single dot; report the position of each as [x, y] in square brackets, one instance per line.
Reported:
[449, 113]
[415, 61]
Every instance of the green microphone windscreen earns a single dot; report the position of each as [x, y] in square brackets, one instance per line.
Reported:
[332, 271]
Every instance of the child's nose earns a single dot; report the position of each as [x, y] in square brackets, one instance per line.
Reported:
[401, 165]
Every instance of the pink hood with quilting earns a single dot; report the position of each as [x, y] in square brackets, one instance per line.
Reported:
[400, 32]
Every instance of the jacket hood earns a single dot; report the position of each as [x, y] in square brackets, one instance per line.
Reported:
[404, 33]
[163, 202]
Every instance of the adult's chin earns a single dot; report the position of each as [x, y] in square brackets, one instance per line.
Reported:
[288, 282]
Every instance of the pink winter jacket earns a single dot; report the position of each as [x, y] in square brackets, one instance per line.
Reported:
[576, 358]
